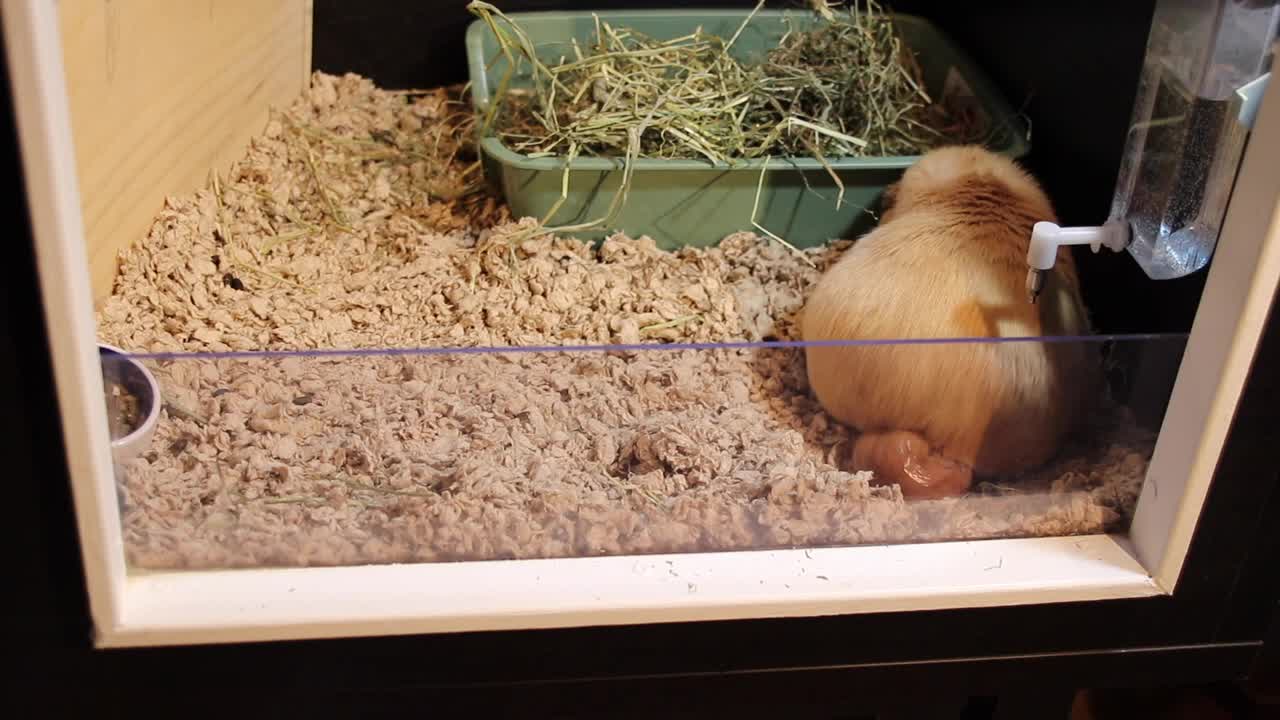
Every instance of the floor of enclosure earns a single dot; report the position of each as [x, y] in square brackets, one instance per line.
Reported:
[331, 234]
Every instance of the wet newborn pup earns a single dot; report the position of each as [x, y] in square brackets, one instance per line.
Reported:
[948, 260]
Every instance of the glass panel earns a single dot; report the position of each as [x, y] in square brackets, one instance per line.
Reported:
[569, 397]
[321, 458]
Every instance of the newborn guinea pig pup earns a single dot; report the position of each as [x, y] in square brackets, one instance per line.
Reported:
[948, 260]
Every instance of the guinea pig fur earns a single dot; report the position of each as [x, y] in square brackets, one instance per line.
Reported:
[948, 260]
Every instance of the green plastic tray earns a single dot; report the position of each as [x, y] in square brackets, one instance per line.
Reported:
[695, 202]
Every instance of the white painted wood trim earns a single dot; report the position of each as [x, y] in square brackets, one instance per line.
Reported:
[48, 158]
[273, 604]
[260, 605]
[1224, 337]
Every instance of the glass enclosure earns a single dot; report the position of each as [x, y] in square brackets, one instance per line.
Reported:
[348, 349]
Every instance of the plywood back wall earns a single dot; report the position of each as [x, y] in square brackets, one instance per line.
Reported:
[161, 93]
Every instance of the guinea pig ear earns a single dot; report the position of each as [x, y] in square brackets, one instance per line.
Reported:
[889, 197]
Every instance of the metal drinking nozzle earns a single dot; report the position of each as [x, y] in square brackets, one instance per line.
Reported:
[1035, 283]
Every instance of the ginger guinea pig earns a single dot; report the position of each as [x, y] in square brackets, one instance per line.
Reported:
[948, 260]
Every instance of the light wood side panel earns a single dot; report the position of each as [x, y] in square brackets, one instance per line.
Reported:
[164, 91]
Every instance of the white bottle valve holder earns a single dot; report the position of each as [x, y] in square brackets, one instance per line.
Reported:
[1047, 237]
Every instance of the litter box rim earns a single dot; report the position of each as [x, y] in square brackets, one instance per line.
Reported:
[993, 101]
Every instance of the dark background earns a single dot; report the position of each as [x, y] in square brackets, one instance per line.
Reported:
[1074, 66]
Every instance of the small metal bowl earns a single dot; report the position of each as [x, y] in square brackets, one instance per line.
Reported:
[118, 367]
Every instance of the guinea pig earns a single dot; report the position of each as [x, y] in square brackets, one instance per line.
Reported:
[948, 260]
